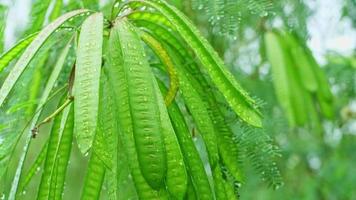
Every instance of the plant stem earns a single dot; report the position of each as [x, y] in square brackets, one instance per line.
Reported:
[52, 116]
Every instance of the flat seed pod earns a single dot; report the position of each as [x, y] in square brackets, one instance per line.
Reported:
[234, 94]
[324, 87]
[122, 39]
[168, 64]
[191, 155]
[95, 174]
[297, 92]
[277, 59]
[219, 184]
[176, 179]
[86, 82]
[304, 67]
[108, 132]
[119, 85]
[143, 106]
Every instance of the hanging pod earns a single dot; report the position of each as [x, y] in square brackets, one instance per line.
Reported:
[87, 80]
[142, 118]
[298, 80]
[277, 59]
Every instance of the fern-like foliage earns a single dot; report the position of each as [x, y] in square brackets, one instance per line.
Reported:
[256, 147]
[225, 15]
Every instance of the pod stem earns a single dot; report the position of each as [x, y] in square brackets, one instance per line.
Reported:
[52, 116]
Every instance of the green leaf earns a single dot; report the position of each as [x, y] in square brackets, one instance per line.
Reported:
[52, 151]
[63, 155]
[34, 167]
[86, 82]
[31, 51]
[56, 11]
[256, 146]
[38, 14]
[12, 53]
[45, 94]
[234, 94]
[91, 4]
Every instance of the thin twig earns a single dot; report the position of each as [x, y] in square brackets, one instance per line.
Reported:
[52, 116]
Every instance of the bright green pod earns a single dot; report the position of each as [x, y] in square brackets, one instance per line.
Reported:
[143, 106]
[120, 87]
[200, 114]
[235, 95]
[324, 94]
[191, 155]
[153, 16]
[12, 53]
[230, 191]
[296, 91]
[275, 55]
[190, 195]
[102, 158]
[63, 156]
[95, 173]
[227, 146]
[176, 180]
[86, 82]
[126, 188]
[107, 125]
[219, 186]
[169, 66]
[326, 107]
[301, 61]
